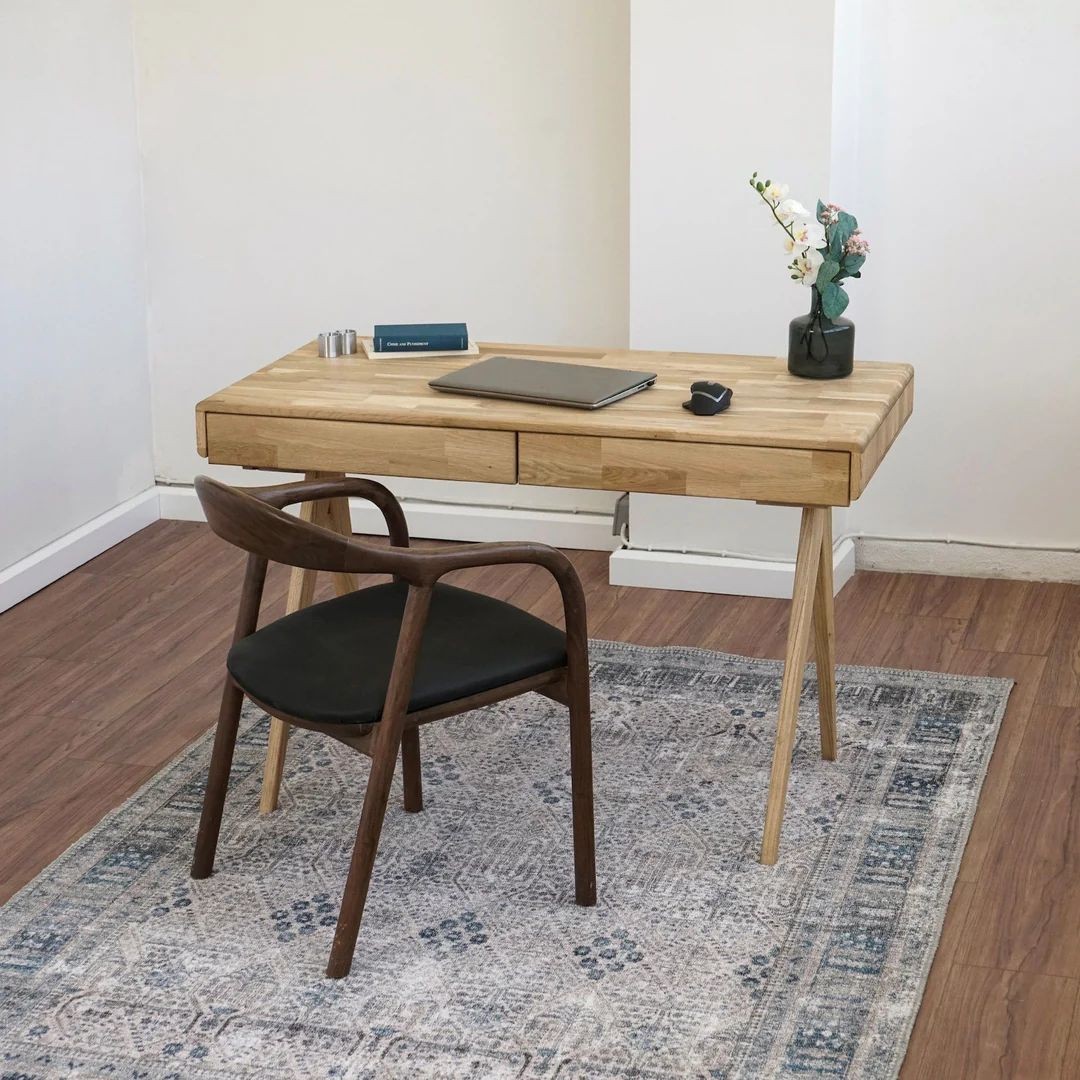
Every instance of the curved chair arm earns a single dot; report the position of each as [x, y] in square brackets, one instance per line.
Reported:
[440, 561]
[254, 523]
[298, 491]
[252, 519]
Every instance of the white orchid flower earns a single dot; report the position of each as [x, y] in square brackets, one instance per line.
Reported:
[775, 193]
[806, 232]
[806, 265]
[791, 208]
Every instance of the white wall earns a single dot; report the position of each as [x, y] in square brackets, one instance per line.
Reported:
[717, 91]
[74, 407]
[349, 163]
[954, 141]
[962, 162]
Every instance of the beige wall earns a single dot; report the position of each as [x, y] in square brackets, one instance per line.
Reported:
[74, 382]
[346, 163]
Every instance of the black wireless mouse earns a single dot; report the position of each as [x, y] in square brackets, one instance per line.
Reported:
[708, 398]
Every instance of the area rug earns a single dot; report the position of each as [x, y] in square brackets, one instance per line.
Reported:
[473, 960]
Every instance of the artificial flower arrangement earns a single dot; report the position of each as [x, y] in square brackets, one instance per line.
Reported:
[826, 247]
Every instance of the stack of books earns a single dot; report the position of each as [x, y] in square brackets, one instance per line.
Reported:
[399, 341]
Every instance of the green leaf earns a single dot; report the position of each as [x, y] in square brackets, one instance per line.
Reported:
[844, 227]
[853, 264]
[820, 211]
[833, 301]
[827, 271]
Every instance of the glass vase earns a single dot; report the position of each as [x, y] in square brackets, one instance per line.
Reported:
[820, 348]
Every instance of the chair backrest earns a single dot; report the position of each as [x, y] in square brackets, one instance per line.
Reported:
[246, 521]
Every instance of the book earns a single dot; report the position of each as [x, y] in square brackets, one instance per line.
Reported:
[368, 346]
[420, 337]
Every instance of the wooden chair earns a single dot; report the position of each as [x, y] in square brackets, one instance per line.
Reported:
[368, 668]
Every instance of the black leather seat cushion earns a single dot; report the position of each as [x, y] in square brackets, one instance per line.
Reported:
[330, 663]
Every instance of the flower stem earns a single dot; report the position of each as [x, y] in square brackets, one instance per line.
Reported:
[772, 210]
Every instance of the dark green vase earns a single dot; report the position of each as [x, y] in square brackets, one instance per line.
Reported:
[819, 348]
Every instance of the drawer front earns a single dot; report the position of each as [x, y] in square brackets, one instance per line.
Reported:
[761, 473]
[294, 444]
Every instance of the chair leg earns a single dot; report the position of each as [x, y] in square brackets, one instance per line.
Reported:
[581, 783]
[410, 770]
[217, 783]
[383, 761]
[363, 860]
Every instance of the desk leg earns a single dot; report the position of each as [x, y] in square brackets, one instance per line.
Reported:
[330, 514]
[807, 573]
[825, 641]
[339, 519]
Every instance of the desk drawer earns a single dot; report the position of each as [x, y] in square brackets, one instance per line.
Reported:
[295, 444]
[762, 473]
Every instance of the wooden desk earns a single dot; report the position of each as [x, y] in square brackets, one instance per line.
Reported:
[784, 440]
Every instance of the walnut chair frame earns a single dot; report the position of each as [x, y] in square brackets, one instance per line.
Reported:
[254, 520]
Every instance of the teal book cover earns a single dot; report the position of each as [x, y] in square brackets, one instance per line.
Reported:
[420, 337]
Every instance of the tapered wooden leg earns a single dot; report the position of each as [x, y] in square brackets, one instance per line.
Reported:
[331, 514]
[410, 770]
[807, 563]
[217, 783]
[581, 784]
[383, 760]
[340, 520]
[301, 591]
[825, 640]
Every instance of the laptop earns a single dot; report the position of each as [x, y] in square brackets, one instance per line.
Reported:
[579, 386]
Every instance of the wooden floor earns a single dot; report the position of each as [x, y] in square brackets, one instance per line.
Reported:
[109, 672]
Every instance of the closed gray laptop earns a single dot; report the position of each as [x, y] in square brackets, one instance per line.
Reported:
[580, 386]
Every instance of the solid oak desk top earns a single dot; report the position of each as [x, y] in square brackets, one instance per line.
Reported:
[784, 439]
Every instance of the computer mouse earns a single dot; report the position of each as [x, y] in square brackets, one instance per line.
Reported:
[708, 398]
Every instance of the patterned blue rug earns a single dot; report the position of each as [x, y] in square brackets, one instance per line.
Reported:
[473, 959]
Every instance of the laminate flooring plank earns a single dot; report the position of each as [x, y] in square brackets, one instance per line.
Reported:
[30, 750]
[748, 626]
[999, 1025]
[33, 621]
[1026, 911]
[1061, 680]
[145, 550]
[1026, 673]
[1072, 1047]
[951, 931]
[39, 828]
[136, 605]
[1017, 616]
[931, 594]
[917, 642]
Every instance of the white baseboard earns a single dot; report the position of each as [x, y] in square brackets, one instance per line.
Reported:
[960, 558]
[587, 530]
[69, 552]
[718, 573]
[450, 521]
